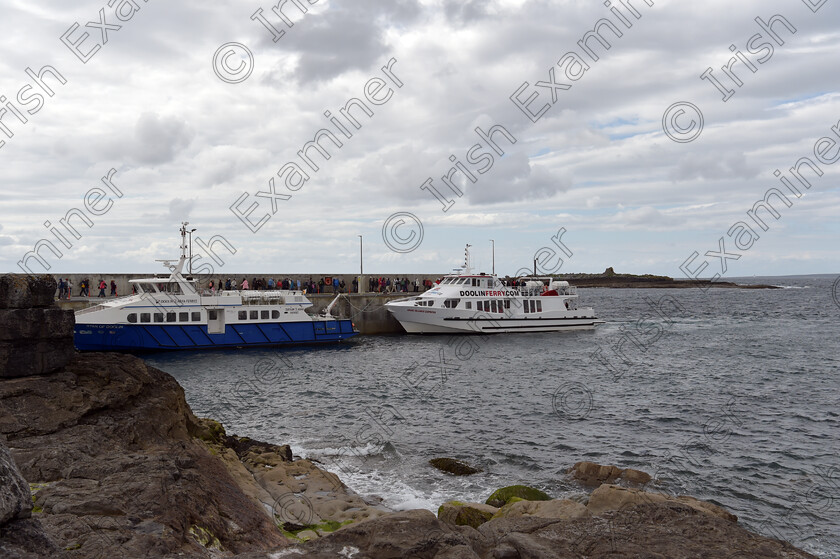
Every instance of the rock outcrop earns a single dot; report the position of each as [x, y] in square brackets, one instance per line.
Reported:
[453, 466]
[555, 508]
[304, 500]
[108, 443]
[591, 474]
[35, 336]
[662, 529]
[465, 514]
[503, 496]
[21, 536]
[612, 497]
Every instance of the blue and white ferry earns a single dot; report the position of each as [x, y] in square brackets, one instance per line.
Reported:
[169, 313]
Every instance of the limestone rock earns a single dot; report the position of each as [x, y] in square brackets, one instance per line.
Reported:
[556, 508]
[414, 533]
[613, 497]
[502, 496]
[19, 291]
[667, 529]
[35, 341]
[14, 491]
[111, 438]
[636, 477]
[21, 536]
[593, 475]
[465, 514]
[453, 466]
[35, 337]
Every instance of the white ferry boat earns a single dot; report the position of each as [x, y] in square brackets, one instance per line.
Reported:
[170, 313]
[467, 303]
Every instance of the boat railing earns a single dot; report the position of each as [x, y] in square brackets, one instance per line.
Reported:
[91, 309]
[569, 290]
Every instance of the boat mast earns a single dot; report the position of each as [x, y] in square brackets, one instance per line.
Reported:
[467, 269]
[184, 238]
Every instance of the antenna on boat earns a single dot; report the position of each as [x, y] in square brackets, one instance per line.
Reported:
[467, 269]
[184, 238]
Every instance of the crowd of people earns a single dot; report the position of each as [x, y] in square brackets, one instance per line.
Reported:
[323, 285]
[331, 284]
[394, 285]
[65, 288]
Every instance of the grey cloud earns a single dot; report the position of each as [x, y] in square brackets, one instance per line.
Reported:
[466, 10]
[158, 139]
[714, 166]
[179, 210]
[345, 37]
[514, 178]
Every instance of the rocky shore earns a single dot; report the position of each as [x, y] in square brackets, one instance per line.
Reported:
[100, 456]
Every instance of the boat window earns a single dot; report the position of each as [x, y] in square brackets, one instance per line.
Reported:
[212, 315]
[158, 317]
[183, 317]
[132, 318]
[243, 315]
[254, 315]
[493, 305]
[539, 306]
[145, 317]
[264, 315]
[526, 307]
[474, 282]
[507, 303]
[468, 304]
[170, 317]
[533, 306]
[275, 314]
[196, 317]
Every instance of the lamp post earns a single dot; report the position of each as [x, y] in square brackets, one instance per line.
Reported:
[191, 232]
[361, 265]
[494, 256]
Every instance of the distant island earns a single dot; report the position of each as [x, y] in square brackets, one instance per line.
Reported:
[609, 278]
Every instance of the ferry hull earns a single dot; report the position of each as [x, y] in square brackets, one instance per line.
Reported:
[497, 326]
[152, 337]
[417, 321]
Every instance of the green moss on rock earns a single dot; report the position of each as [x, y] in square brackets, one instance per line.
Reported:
[302, 533]
[465, 514]
[503, 496]
[205, 538]
[209, 431]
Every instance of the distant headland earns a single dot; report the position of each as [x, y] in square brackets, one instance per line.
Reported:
[609, 278]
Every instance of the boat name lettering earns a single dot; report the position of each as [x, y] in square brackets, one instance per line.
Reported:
[488, 293]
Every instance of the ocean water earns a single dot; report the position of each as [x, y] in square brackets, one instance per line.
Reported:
[727, 395]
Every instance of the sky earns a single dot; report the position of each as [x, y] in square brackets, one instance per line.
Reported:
[282, 140]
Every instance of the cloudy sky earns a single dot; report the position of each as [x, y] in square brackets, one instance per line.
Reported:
[193, 127]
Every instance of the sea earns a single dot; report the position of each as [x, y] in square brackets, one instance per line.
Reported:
[727, 395]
